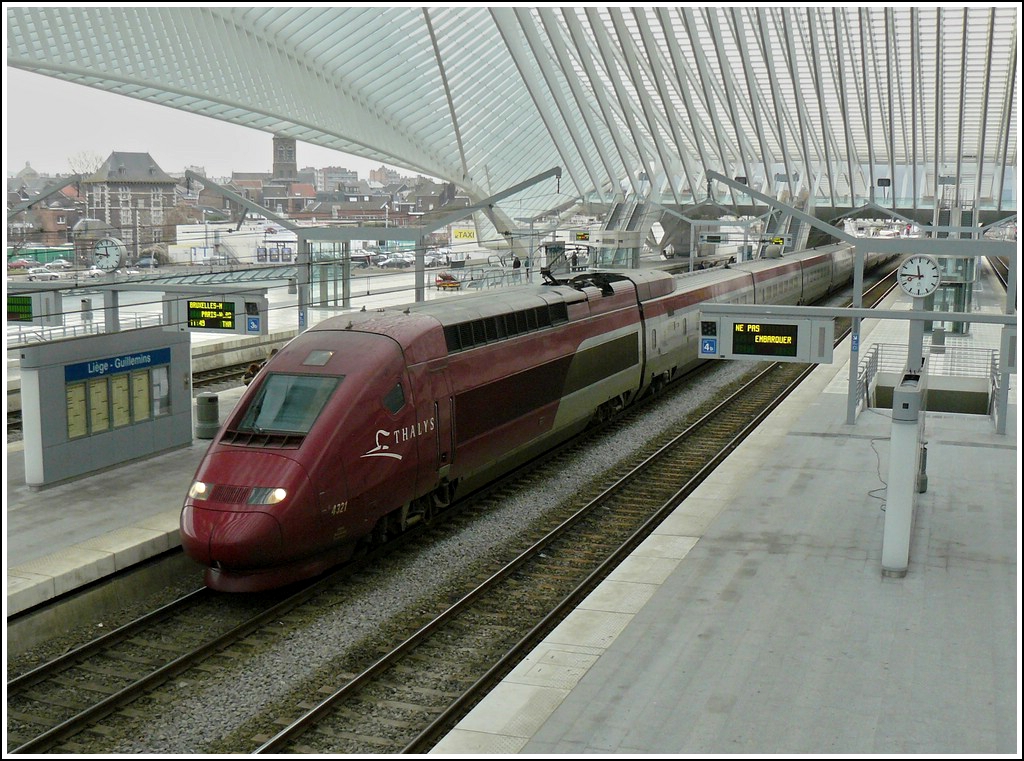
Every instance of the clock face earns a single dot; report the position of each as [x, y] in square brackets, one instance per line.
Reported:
[107, 253]
[919, 275]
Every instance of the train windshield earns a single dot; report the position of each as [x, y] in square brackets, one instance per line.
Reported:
[288, 403]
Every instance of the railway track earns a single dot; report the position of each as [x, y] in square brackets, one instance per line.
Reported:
[202, 381]
[59, 699]
[1001, 268]
[416, 693]
[407, 698]
[53, 706]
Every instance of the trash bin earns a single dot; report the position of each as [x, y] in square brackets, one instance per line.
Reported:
[207, 415]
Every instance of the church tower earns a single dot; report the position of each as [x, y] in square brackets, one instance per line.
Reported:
[285, 164]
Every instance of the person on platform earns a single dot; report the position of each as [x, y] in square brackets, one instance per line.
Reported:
[250, 373]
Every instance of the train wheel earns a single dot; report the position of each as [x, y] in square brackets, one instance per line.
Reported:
[423, 509]
[398, 520]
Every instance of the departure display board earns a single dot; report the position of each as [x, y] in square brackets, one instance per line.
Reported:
[211, 315]
[242, 313]
[19, 309]
[41, 308]
[761, 339]
[752, 336]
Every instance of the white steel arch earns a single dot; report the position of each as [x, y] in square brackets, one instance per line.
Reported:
[832, 98]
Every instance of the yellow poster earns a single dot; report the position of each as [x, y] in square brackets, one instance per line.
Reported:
[75, 393]
[120, 399]
[140, 395]
[99, 410]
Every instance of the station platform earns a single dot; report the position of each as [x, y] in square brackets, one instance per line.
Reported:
[756, 619]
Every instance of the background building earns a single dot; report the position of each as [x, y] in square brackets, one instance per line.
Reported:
[134, 196]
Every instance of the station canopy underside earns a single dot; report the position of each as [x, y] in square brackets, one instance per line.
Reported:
[809, 105]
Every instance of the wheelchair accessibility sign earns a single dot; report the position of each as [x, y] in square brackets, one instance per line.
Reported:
[709, 346]
[252, 324]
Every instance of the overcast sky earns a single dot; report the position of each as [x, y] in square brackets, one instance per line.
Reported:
[47, 121]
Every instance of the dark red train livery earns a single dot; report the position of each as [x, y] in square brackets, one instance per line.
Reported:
[370, 422]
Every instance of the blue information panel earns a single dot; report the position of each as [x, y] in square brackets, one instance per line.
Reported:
[97, 368]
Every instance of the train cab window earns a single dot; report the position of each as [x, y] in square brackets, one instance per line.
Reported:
[395, 399]
[288, 403]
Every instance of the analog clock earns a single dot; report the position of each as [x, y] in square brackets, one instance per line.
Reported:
[108, 253]
[919, 275]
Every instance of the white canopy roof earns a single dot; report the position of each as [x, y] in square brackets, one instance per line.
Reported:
[642, 100]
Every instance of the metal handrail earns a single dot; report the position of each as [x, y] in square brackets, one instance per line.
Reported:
[25, 335]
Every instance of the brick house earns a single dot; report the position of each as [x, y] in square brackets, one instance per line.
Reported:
[133, 195]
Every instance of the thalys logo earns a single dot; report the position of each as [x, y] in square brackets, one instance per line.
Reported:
[386, 439]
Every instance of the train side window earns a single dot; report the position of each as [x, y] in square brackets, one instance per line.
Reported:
[394, 400]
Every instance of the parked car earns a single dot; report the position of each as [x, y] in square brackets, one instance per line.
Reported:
[362, 258]
[435, 260]
[94, 272]
[147, 261]
[41, 273]
[21, 264]
[58, 264]
[396, 262]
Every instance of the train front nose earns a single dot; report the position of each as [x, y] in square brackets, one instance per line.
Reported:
[264, 517]
[235, 539]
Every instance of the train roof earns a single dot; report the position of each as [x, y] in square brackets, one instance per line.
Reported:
[414, 325]
[469, 320]
[648, 283]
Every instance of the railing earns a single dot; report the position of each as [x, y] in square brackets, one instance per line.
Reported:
[964, 362]
[23, 335]
[483, 277]
[867, 370]
[951, 362]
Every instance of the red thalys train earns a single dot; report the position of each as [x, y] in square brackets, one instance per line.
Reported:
[370, 422]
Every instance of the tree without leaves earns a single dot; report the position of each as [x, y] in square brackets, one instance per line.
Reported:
[85, 163]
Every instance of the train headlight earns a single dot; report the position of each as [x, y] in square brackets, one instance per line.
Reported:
[198, 490]
[267, 495]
